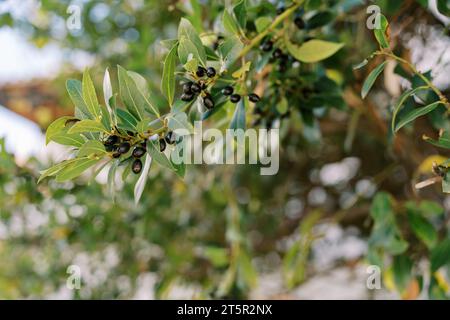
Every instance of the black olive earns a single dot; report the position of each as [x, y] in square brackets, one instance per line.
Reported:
[170, 137]
[208, 102]
[138, 152]
[195, 88]
[235, 98]
[187, 87]
[211, 72]
[227, 91]
[267, 46]
[200, 72]
[124, 147]
[136, 166]
[111, 140]
[253, 97]
[162, 145]
[187, 97]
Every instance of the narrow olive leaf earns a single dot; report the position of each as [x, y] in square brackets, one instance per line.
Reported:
[381, 31]
[131, 96]
[370, 81]
[87, 125]
[140, 184]
[91, 147]
[111, 178]
[229, 23]
[442, 142]
[238, 120]
[89, 95]
[446, 183]
[180, 166]
[107, 91]
[440, 255]
[313, 51]
[158, 156]
[74, 88]
[361, 64]
[414, 114]
[401, 101]
[56, 127]
[126, 119]
[179, 121]
[190, 36]
[66, 139]
[240, 12]
[149, 104]
[423, 229]
[75, 169]
[55, 169]
[168, 77]
[230, 50]
[262, 23]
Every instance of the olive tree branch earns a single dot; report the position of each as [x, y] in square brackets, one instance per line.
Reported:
[255, 41]
[429, 83]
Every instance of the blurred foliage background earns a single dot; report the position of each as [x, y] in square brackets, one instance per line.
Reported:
[227, 231]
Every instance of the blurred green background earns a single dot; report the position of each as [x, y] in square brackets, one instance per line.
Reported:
[223, 231]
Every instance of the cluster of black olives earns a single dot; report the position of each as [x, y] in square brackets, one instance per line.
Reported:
[119, 147]
[277, 55]
[235, 98]
[192, 89]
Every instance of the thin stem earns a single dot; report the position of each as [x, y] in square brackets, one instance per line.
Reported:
[255, 41]
[419, 74]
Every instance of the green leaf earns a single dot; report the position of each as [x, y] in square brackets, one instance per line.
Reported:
[89, 95]
[56, 127]
[168, 77]
[126, 119]
[313, 50]
[442, 142]
[446, 183]
[55, 169]
[381, 206]
[238, 120]
[423, 229]
[361, 64]
[370, 81]
[381, 32]
[67, 139]
[158, 156]
[440, 255]
[109, 96]
[111, 178]
[401, 102]
[414, 114]
[402, 268]
[191, 65]
[91, 147]
[179, 121]
[190, 43]
[140, 184]
[229, 23]
[240, 12]
[87, 125]
[132, 97]
[230, 50]
[262, 23]
[74, 88]
[75, 169]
